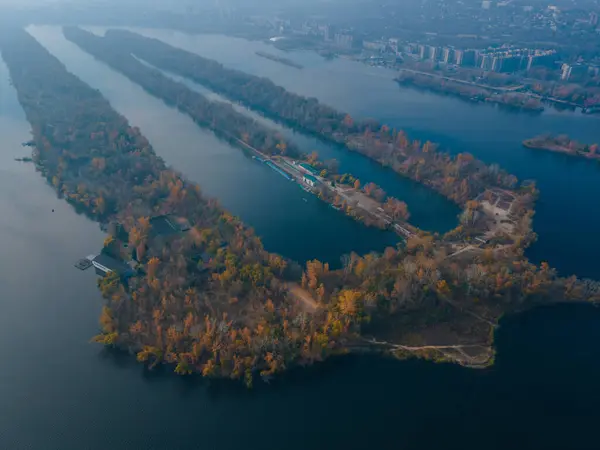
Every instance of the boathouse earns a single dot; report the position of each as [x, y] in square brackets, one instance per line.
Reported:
[105, 264]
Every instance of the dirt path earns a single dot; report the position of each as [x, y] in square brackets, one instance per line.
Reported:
[303, 296]
[463, 250]
[457, 353]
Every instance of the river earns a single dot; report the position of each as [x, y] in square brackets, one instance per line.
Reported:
[59, 392]
[566, 217]
[288, 220]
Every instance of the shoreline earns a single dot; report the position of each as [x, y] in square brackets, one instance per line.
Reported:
[477, 98]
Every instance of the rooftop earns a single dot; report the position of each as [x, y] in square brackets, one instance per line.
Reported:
[309, 168]
[112, 264]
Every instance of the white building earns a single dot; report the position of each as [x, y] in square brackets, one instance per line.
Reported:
[309, 180]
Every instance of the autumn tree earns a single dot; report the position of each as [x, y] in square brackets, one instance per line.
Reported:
[397, 209]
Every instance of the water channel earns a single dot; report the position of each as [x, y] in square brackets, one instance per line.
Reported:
[289, 221]
[566, 217]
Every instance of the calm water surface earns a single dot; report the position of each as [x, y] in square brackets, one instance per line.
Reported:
[567, 218]
[429, 210]
[289, 221]
[59, 392]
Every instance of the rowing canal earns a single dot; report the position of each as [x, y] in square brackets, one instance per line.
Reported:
[567, 220]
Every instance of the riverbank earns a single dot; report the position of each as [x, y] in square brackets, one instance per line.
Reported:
[563, 144]
[468, 91]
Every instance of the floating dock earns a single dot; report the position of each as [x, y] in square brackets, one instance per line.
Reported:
[85, 263]
[278, 170]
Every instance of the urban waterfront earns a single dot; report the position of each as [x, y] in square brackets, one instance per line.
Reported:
[61, 392]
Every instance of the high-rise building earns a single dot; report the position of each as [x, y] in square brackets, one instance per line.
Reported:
[510, 64]
[487, 62]
[447, 54]
[458, 57]
[594, 19]
[343, 40]
[496, 63]
[565, 72]
[545, 58]
[421, 51]
[432, 52]
[574, 72]
[486, 4]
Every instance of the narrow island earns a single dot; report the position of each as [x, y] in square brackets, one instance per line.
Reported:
[460, 178]
[279, 59]
[471, 181]
[563, 144]
[190, 286]
[265, 144]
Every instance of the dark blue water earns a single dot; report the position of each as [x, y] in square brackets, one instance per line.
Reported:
[59, 392]
[566, 217]
[429, 210]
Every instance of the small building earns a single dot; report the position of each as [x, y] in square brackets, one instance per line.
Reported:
[309, 180]
[308, 168]
[105, 264]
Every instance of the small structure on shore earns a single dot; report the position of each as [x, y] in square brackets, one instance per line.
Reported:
[168, 225]
[105, 264]
[307, 168]
[309, 180]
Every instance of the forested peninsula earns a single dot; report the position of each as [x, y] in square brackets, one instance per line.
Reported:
[212, 300]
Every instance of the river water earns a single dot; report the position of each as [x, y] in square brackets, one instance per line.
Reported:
[567, 220]
[60, 392]
[289, 221]
[429, 210]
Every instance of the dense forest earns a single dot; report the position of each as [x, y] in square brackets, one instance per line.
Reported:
[177, 310]
[460, 178]
[212, 300]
